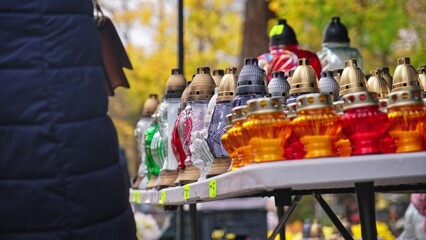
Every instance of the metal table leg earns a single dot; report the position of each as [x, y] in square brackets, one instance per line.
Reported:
[280, 213]
[367, 211]
[193, 220]
[285, 217]
[180, 225]
[334, 219]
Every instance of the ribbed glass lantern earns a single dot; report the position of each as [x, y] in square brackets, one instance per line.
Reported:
[336, 47]
[317, 125]
[236, 140]
[192, 120]
[167, 115]
[266, 129]
[407, 120]
[363, 122]
[226, 93]
[142, 125]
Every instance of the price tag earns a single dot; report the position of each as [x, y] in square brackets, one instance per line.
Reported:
[212, 188]
[162, 197]
[186, 192]
[133, 196]
[138, 197]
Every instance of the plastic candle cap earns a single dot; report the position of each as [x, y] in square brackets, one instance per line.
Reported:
[304, 79]
[335, 32]
[359, 99]
[264, 105]
[313, 101]
[150, 105]
[405, 98]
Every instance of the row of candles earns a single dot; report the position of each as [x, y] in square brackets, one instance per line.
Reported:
[221, 123]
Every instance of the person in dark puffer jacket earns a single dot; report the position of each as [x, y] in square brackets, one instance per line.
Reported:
[59, 172]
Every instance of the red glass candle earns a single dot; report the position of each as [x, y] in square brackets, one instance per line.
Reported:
[294, 149]
[177, 145]
[363, 122]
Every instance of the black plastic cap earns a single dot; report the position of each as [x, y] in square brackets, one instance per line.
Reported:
[218, 72]
[336, 32]
[327, 74]
[278, 74]
[285, 36]
[203, 70]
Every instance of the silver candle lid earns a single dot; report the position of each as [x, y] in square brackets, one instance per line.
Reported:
[360, 99]
[239, 113]
[313, 101]
[405, 98]
[264, 105]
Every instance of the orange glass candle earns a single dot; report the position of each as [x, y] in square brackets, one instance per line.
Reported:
[238, 143]
[317, 125]
[227, 142]
[266, 129]
[407, 120]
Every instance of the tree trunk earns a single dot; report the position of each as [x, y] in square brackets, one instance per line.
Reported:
[255, 36]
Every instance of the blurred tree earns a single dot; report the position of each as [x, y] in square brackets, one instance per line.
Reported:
[255, 35]
[375, 27]
[212, 38]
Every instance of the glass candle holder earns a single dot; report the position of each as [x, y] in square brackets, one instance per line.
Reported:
[317, 125]
[336, 48]
[363, 122]
[216, 128]
[277, 59]
[177, 146]
[407, 120]
[294, 149]
[227, 141]
[266, 129]
[235, 135]
[152, 166]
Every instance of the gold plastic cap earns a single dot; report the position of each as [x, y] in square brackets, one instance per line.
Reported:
[202, 87]
[175, 85]
[217, 76]
[314, 101]
[264, 105]
[185, 94]
[352, 79]
[337, 74]
[227, 86]
[422, 77]
[150, 105]
[239, 113]
[405, 76]
[377, 83]
[359, 99]
[404, 98]
[387, 76]
[304, 79]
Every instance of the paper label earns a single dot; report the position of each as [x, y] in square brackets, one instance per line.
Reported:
[186, 192]
[212, 188]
